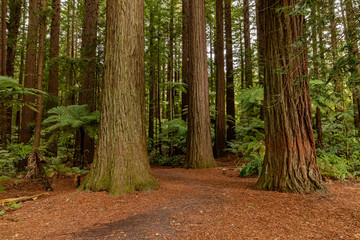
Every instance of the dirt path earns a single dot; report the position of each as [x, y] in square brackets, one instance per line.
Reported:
[190, 204]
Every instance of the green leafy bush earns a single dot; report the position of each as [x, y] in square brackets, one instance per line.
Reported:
[252, 168]
[10, 157]
[175, 133]
[337, 167]
[167, 161]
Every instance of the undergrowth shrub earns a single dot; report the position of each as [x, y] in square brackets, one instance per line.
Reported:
[331, 165]
[10, 157]
[167, 161]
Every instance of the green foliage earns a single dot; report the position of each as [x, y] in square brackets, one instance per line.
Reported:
[167, 161]
[337, 167]
[67, 171]
[10, 157]
[253, 167]
[250, 99]
[249, 138]
[10, 87]
[65, 121]
[175, 132]
[249, 145]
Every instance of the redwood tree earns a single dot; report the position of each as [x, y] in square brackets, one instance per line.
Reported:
[53, 88]
[220, 124]
[199, 152]
[185, 56]
[28, 115]
[3, 73]
[88, 55]
[121, 162]
[13, 32]
[248, 61]
[230, 103]
[290, 160]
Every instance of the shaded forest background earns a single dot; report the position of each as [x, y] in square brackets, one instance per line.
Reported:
[52, 56]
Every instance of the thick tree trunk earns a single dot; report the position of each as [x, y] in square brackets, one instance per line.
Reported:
[230, 95]
[53, 88]
[185, 56]
[121, 162]
[28, 115]
[351, 39]
[12, 39]
[260, 24]
[13, 32]
[3, 108]
[170, 72]
[247, 37]
[199, 152]
[220, 124]
[88, 55]
[334, 52]
[34, 164]
[3, 38]
[152, 90]
[290, 160]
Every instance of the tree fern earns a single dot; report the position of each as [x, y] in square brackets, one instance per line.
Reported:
[67, 120]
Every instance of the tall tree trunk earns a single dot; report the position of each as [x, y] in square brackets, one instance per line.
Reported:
[170, 77]
[334, 52]
[12, 39]
[351, 39]
[13, 32]
[3, 108]
[260, 24]
[53, 88]
[185, 56]
[88, 56]
[290, 160]
[152, 90]
[28, 115]
[35, 168]
[121, 162]
[230, 95]
[314, 34]
[199, 150]
[247, 37]
[220, 124]
[22, 66]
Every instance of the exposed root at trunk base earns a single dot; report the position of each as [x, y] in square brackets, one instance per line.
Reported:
[36, 170]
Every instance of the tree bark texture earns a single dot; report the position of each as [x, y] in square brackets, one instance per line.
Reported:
[13, 32]
[260, 24]
[247, 37]
[351, 39]
[35, 168]
[199, 152]
[88, 56]
[3, 108]
[28, 115]
[152, 90]
[185, 56]
[230, 95]
[220, 124]
[121, 162]
[290, 160]
[53, 88]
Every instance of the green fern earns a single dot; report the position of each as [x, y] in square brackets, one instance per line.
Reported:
[10, 87]
[65, 121]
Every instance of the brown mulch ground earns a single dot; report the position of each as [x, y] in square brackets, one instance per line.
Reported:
[190, 204]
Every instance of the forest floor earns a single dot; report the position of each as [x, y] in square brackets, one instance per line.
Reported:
[190, 204]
